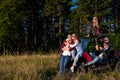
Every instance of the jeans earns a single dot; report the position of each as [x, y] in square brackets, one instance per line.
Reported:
[78, 55]
[93, 55]
[99, 59]
[73, 52]
[95, 59]
[85, 42]
[64, 60]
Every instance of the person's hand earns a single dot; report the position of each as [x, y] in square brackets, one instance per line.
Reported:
[96, 47]
[101, 55]
[65, 48]
[101, 48]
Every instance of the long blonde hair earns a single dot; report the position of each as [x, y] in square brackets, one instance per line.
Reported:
[95, 22]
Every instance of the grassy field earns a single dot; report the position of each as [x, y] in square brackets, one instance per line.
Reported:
[43, 67]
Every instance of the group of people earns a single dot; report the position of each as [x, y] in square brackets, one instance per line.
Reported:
[75, 48]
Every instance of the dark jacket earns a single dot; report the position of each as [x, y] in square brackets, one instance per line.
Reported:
[109, 57]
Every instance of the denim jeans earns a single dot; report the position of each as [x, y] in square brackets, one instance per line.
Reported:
[93, 55]
[64, 60]
[95, 59]
[85, 42]
[73, 53]
[78, 55]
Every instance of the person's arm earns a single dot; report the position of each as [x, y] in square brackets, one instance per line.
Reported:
[73, 45]
[65, 48]
[62, 48]
[97, 47]
[101, 54]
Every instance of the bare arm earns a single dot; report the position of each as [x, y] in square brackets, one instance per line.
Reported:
[73, 45]
[65, 48]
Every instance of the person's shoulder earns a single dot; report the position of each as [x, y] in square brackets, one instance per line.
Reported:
[110, 49]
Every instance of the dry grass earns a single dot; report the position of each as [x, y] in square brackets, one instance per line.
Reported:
[32, 67]
[43, 67]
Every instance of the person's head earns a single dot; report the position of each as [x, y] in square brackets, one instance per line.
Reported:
[74, 36]
[105, 45]
[106, 40]
[95, 21]
[69, 38]
[67, 42]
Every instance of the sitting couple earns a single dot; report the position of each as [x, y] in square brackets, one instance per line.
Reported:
[69, 48]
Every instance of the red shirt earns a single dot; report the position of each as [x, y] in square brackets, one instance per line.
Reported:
[63, 45]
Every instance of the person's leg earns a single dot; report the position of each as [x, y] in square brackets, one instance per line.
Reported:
[92, 62]
[66, 61]
[73, 52]
[76, 60]
[92, 54]
[62, 58]
[100, 59]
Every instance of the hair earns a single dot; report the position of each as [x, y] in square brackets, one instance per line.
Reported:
[76, 35]
[95, 23]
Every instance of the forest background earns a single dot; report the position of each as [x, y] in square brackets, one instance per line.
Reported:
[28, 26]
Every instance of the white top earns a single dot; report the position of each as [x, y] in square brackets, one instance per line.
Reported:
[66, 52]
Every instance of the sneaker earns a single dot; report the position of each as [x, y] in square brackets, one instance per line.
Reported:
[85, 65]
[93, 66]
[72, 69]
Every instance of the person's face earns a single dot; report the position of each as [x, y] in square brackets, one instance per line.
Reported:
[73, 36]
[105, 46]
[94, 19]
[67, 42]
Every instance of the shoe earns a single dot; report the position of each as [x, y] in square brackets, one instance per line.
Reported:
[93, 66]
[85, 65]
[72, 69]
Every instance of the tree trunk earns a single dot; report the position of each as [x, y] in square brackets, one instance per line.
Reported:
[116, 17]
[60, 32]
[45, 35]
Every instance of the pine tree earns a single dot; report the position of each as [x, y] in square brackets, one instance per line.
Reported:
[10, 25]
[55, 14]
[86, 9]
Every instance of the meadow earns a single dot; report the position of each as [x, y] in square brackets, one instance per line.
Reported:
[43, 67]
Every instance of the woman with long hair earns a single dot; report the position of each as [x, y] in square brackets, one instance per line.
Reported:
[95, 29]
